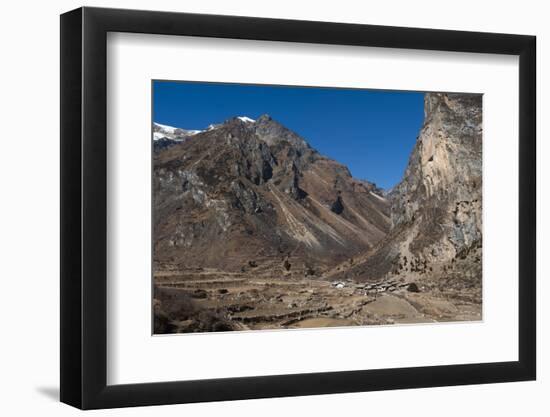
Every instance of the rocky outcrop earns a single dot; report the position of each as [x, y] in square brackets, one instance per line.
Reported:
[436, 230]
[247, 191]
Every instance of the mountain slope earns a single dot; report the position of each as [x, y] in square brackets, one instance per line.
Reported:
[436, 232]
[253, 194]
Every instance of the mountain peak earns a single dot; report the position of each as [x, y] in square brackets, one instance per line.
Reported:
[267, 129]
[262, 187]
[273, 132]
[245, 119]
[161, 131]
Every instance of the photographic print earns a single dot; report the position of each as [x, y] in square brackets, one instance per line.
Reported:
[285, 207]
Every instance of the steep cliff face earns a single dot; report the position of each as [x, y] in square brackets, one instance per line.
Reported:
[253, 194]
[436, 230]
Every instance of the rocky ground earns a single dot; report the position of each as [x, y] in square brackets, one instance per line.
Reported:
[214, 300]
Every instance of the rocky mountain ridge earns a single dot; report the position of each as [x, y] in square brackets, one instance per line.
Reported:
[251, 193]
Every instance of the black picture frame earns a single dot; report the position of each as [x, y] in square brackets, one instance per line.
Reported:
[84, 207]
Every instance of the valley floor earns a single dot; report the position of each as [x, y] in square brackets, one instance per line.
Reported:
[211, 300]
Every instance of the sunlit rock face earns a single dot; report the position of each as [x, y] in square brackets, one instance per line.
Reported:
[436, 230]
[441, 189]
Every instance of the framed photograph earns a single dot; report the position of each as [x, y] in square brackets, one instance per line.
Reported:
[258, 208]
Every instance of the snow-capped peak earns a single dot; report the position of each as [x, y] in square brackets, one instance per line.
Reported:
[161, 131]
[165, 128]
[246, 119]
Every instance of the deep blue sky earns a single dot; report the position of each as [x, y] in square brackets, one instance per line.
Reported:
[370, 131]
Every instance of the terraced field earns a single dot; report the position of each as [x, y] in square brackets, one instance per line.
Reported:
[222, 301]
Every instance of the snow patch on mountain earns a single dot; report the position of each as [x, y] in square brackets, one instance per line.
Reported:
[158, 135]
[246, 119]
[165, 128]
[161, 131]
[378, 196]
